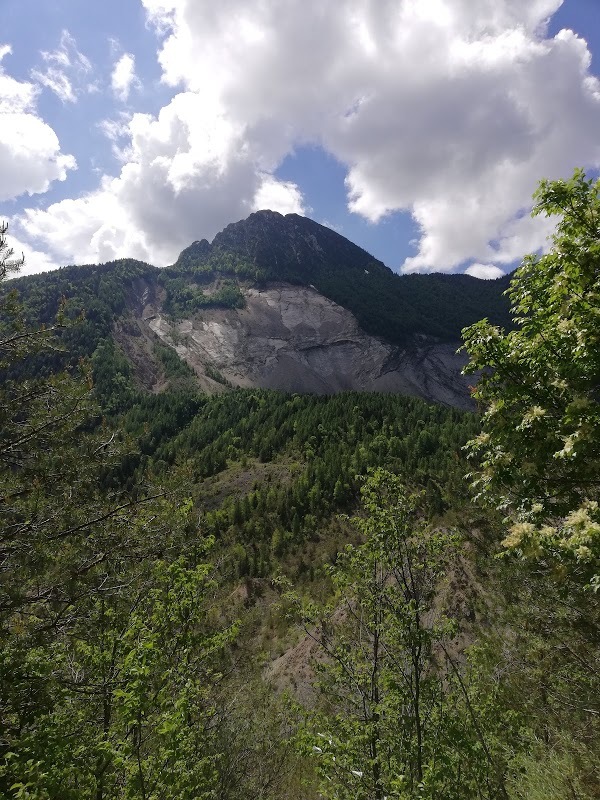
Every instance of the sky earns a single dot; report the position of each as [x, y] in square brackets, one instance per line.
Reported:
[419, 129]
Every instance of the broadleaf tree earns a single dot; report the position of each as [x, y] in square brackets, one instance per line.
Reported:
[538, 455]
[395, 719]
[107, 658]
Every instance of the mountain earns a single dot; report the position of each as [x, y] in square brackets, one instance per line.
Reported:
[275, 302]
[172, 560]
[297, 250]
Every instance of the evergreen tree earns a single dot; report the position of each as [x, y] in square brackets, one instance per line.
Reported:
[105, 656]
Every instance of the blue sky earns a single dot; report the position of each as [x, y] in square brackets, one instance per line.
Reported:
[418, 130]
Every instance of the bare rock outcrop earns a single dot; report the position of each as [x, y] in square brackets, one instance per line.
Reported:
[294, 339]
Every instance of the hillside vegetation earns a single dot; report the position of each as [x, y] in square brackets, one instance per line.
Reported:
[261, 595]
[265, 247]
[268, 246]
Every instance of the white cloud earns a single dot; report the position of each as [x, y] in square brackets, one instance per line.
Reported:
[282, 196]
[334, 226]
[57, 81]
[188, 174]
[30, 156]
[65, 70]
[450, 109]
[117, 133]
[35, 261]
[16, 97]
[124, 78]
[487, 272]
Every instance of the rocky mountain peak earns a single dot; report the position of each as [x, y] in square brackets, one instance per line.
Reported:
[293, 247]
[277, 301]
[197, 252]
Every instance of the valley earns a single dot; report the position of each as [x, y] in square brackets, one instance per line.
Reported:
[242, 556]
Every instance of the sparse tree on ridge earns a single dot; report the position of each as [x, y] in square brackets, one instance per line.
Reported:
[8, 264]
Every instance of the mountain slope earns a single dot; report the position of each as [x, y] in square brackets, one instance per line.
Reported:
[274, 302]
[294, 339]
[269, 246]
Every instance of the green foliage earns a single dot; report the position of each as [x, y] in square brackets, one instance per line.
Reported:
[184, 299]
[397, 307]
[539, 452]
[130, 546]
[112, 376]
[549, 772]
[213, 372]
[8, 264]
[308, 450]
[394, 722]
[130, 693]
[268, 246]
[537, 459]
[178, 373]
[108, 649]
[539, 661]
[205, 263]
[91, 295]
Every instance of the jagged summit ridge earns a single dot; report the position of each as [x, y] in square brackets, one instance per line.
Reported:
[289, 247]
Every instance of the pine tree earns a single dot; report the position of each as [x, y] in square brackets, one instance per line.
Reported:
[106, 660]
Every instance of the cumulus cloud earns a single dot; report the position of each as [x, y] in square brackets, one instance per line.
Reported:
[30, 155]
[65, 70]
[449, 109]
[282, 196]
[35, 260]
[487, 272]
[188, 174]
[16, 97]
[123, 78]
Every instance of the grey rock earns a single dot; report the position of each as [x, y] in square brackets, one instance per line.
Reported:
[294, 339]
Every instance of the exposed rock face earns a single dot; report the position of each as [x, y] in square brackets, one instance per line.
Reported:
[294, 339]
[319, 314]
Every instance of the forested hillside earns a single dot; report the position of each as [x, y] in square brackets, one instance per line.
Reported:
[265, 595]
[268, 246]
[265, 247]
